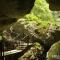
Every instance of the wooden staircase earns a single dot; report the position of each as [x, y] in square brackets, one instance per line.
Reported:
[16, 53]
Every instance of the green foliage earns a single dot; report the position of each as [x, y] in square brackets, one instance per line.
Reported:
[31, 17]
[40, 11]
[38, 46]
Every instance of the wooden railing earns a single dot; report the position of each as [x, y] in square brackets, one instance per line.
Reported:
[16, 53]
[22, 47]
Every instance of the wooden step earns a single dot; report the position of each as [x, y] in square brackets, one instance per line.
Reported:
[11, 52]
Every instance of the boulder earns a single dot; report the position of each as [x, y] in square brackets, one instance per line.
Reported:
[54, 52]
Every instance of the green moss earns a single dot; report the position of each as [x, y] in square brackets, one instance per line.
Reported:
[54, 52]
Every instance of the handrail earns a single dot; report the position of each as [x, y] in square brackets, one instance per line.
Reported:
[6, 53]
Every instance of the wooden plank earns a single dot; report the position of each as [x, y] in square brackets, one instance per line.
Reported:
[11, 52]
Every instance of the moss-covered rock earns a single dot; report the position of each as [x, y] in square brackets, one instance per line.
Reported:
[54, 52]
